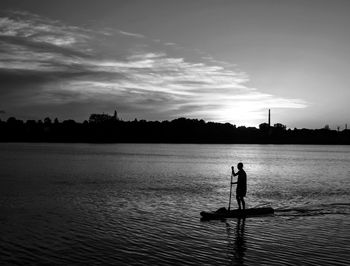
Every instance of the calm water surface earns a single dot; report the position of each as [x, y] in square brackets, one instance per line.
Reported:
[139, 204]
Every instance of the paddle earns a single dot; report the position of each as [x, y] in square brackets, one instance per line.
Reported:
[229, 204]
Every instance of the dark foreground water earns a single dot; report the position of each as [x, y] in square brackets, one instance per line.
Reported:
[128, 204]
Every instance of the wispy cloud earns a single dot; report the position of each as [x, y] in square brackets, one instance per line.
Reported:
[64, 64]
[34, 28]
[136, 35]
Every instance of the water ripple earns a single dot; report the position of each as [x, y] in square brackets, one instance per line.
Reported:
[121, 207]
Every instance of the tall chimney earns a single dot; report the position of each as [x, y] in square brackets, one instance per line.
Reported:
[269, 118]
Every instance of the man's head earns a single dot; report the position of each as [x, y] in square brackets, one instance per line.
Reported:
[240, 166]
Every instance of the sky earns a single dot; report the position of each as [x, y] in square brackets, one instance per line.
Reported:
[223, 60]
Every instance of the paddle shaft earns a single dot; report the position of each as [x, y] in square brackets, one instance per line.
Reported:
[229, 204]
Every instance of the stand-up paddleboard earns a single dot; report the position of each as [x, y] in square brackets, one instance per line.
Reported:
[223, 213]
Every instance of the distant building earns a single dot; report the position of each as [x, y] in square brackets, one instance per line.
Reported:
[115, 116]
[101, 118]
[267, 126]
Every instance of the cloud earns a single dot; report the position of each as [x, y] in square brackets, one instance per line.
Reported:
[172, 86]
[136, 35]
[41, 30]
[45, 62]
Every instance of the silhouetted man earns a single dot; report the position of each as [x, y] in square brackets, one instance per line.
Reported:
[241, 189]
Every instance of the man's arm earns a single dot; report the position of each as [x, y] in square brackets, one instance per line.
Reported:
[233, 171]
[234, 174]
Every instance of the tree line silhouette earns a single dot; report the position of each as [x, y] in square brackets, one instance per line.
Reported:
[103, 128]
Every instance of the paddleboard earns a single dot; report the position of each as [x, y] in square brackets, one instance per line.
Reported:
[223, 213]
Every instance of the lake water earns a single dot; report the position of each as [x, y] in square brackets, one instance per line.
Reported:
[139, 204]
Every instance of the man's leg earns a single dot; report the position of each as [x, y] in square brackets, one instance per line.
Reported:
[239, 202]
[243, 202]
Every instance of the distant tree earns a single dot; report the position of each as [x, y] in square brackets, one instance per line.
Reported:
[102, 128]
[264, 126]
[69, 122]
[47, 121]
[31, 122]
[280, 126]
[11, 120]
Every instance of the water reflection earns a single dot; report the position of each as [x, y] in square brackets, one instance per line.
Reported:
[236, 243]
